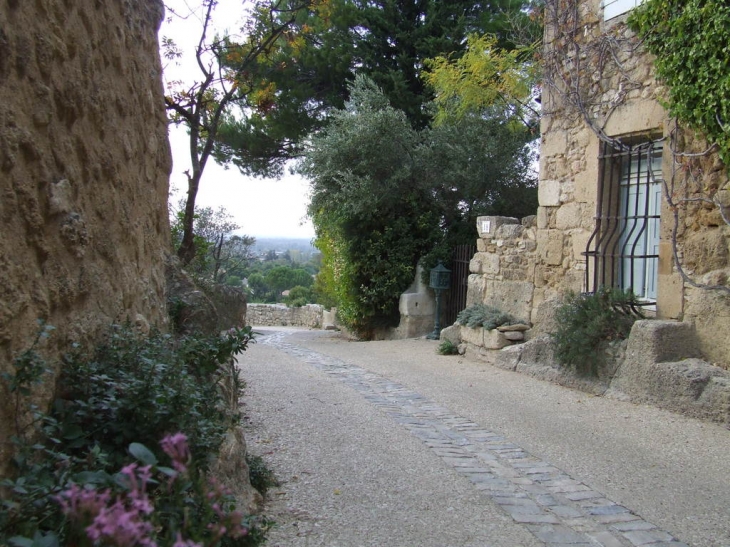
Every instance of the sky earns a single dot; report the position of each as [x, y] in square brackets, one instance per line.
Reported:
[262, 207]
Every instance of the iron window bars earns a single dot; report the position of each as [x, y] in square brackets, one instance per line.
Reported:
[623, 250]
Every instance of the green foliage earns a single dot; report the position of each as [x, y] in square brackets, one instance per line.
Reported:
[262, 478]
[219, 253]
[299, 296]
[373, 216]
[485, 77]
[385, 195]
[690, 41]
[131, 389]
[587, 323]
[488, 317]
[447, 347]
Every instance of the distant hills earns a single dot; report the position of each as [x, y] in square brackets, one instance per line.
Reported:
[283, 244]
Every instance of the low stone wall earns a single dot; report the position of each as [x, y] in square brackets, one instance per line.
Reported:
[279, 315]
[659, 364]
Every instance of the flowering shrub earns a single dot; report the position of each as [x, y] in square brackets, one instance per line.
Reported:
[129, 394]
[128, 517]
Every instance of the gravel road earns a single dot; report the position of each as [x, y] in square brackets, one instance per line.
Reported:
[390, 444]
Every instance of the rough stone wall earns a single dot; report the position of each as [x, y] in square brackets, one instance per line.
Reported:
[619, 96]
[503, 269]
[272, 315]
[84, 165]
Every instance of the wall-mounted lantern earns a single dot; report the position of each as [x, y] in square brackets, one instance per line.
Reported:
[440, 281]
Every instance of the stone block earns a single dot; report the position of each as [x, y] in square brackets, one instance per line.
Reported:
[472, 336]
[670, 295]
[509, 357]
[509, 231]
[529, 221]
[553, 144]
[550, 247]
[481, 245]
[476, 286]
[485, 263]
[514, 297]
[514, 336]
[452, 334]
[654, 341]
[636, 116]
[542, 218]
[487, 226]
[544, 317]
[690, 386]
[493, 339]
[417, 304]
[569, 216]
[662, 367]
[548, 193]
[519, 327]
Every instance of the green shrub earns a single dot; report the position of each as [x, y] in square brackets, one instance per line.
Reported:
[262, 478]
[299, 296]
[447, 347]
[587, 323]
[481, 315]
[130, 389]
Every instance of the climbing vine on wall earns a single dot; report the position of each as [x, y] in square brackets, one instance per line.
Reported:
[691, 42]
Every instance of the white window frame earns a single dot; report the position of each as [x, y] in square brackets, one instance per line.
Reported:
[614, 8]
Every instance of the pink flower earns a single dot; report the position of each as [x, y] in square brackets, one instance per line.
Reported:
[176, 446]
[121, 526]
[80, 504]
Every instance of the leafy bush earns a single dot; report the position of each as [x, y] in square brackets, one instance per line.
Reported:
[299, 296]
[130, 389]
[447, 347]
[698, 86]
[587, 323]
[262, 478]
[481, 315]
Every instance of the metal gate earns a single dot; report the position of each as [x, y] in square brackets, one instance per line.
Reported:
[455, 298]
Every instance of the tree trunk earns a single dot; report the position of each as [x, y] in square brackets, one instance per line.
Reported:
[186, 251]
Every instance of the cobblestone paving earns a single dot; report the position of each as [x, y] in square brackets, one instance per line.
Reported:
[556, 508]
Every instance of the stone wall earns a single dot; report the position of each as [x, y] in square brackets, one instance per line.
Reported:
[522, 267]
[503, 269]
[272, 315]
[84, 165]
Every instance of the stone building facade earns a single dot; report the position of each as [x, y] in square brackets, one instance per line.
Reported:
[616, 190]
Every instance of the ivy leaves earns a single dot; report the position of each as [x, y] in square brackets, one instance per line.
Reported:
[691, 41]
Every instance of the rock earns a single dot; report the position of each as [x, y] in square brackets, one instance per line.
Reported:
[493, 339]
[520, 327]
[653, 341]
[509, 357]
[231, 469]
[514, 336]
[543, 320]
[472, 336]
[190, 308]
[452, 334]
